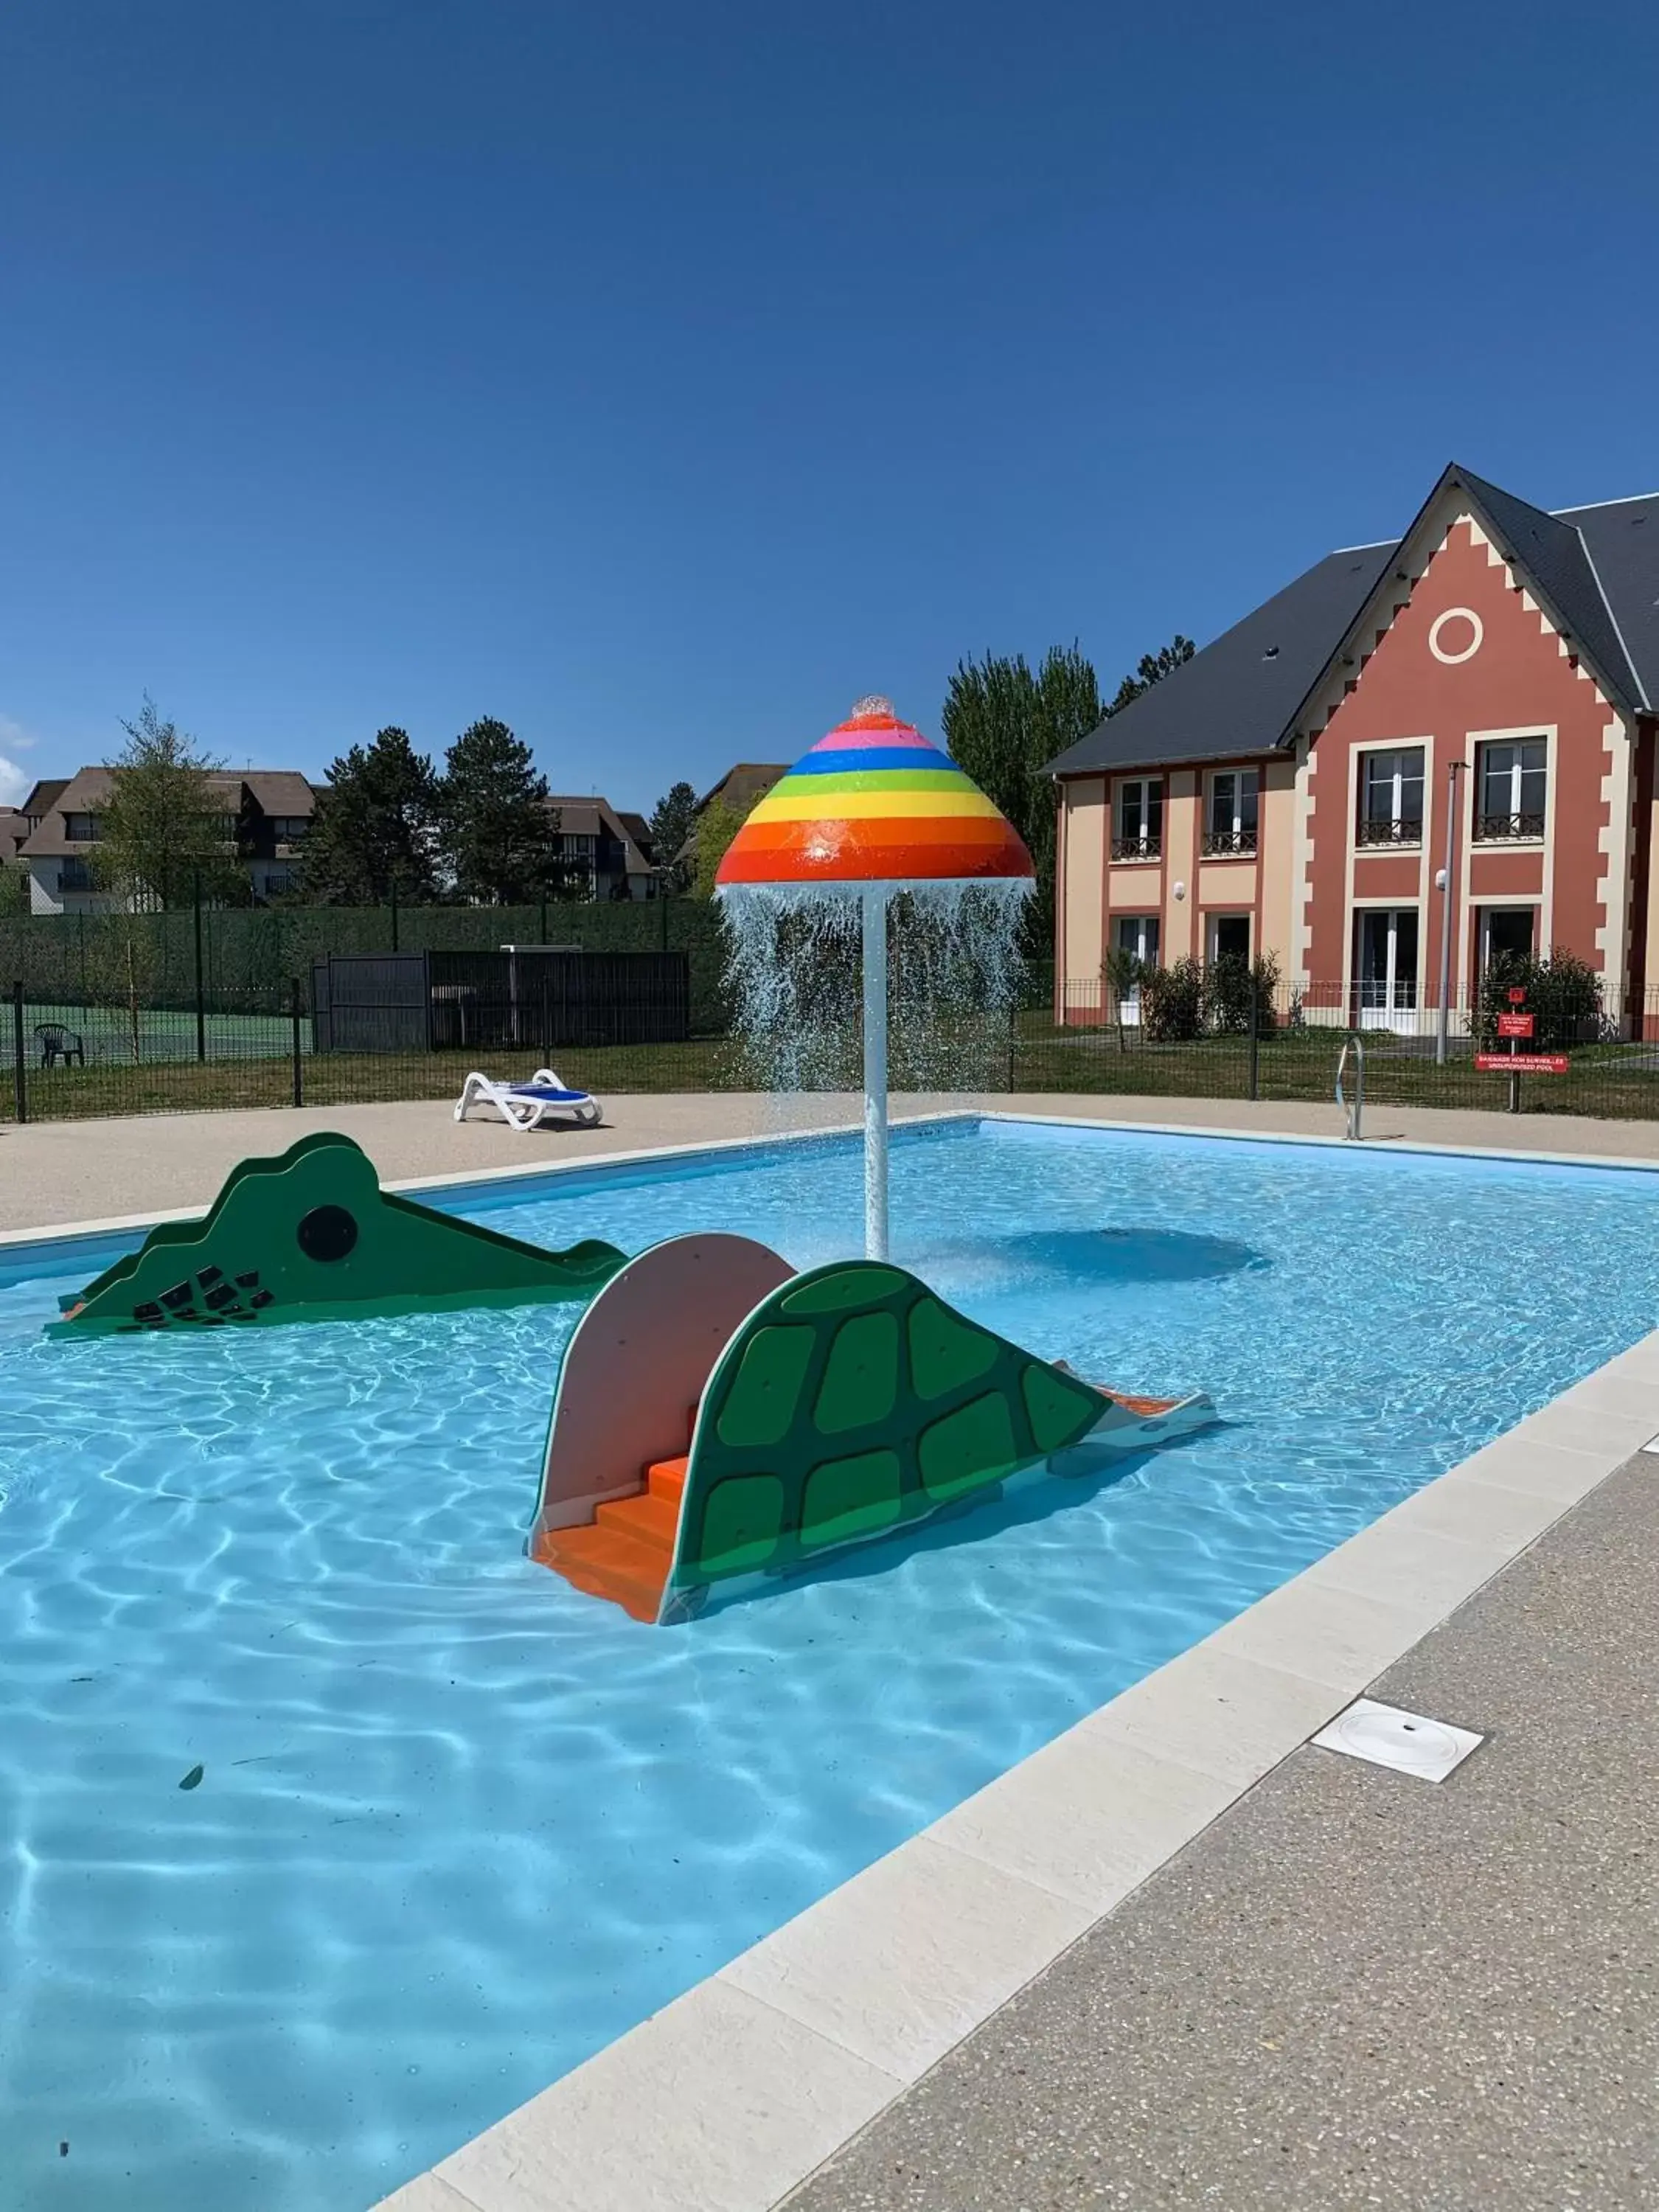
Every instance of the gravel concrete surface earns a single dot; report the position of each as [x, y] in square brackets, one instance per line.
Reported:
[1356, 1988]
[56, 1172]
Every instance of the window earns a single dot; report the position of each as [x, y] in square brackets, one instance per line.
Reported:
[1505, 934]
[1385, 963]
[1232, 811]
[1391, 797]
[1136, 939]
[1229, 937]
[1510, 778]
[1139, 832]
[288, 829]
[82, 828]
[73, 876]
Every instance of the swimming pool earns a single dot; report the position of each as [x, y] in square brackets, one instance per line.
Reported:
[458, 1826]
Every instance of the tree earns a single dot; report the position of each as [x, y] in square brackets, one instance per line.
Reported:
[717, 825]
[1152, 669]
[376, 826]
[672, 823]
[162, 830]
[1003, 726]
[501, 835]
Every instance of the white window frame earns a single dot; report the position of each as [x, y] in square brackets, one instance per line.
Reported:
[1128, 1003]
[1383, 1015]
[1517, 772]
[1368, 758]
[1246, 782]
[1147, 845]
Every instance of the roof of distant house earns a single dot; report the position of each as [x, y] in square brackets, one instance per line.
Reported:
[1594, 568]
[745, 786]
[45, 796]
[281, 792]
[14, 828]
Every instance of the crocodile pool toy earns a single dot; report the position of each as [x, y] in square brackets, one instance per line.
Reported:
[312, 1236]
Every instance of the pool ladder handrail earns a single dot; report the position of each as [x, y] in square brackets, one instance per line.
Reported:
[1354, 1108]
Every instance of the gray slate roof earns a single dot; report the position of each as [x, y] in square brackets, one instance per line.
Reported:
[1596, 569]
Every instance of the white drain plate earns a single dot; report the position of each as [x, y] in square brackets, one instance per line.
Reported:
[1408, 1742]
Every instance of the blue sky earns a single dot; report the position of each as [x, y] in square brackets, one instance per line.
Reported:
[659, 377]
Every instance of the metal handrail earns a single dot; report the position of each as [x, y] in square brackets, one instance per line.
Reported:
[1355, 1111]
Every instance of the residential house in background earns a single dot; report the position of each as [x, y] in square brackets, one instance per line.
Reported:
[742, 788]
[266, 815]
[14, 828]
[603, 859]
[1486, 686]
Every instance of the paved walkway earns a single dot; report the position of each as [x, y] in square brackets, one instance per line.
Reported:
[52, 1172]
[1356, 1988]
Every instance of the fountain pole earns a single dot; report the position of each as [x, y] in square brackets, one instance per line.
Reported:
[875, 1071]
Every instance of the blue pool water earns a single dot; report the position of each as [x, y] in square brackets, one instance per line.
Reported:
[458, 1826]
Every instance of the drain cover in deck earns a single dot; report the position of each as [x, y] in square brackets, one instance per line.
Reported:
[1408, 1742]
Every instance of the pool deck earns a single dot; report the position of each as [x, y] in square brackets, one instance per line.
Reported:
[1178, 1957]
[1357, 1988]
[57, 1173]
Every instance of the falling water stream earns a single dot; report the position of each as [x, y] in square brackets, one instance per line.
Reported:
[954, 971]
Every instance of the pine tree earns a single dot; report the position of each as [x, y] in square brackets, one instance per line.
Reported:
[672, 823]
[1152, 669]
[501, 834]
[376, 826]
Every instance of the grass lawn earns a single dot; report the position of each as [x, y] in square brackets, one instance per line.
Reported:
[246, 1068]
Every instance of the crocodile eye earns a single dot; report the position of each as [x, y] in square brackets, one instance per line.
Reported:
[327, 1232]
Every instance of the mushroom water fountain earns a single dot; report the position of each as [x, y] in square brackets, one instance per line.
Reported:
[873, 814]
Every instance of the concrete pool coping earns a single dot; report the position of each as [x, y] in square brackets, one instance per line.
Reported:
[730, 2097]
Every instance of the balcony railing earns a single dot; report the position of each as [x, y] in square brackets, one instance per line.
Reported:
[1507, 828]
[1138, 848]
[1409, 830]
[1217, 843]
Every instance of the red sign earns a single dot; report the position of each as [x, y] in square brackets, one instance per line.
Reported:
[1514, 1025]
[1517, 995]
[1521, 1063]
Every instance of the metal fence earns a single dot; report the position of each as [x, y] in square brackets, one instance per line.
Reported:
[74, 1056]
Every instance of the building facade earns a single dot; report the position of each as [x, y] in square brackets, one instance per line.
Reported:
[267, 813]
[1445, 738]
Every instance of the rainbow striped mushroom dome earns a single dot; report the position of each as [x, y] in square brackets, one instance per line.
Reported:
[874, 802]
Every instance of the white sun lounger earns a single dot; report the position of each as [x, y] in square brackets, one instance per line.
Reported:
[527, 1105]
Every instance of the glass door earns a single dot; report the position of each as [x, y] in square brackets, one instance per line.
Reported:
[1386, 964]
[1137, 940]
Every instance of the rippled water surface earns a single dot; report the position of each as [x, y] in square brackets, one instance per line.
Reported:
[456, 1826]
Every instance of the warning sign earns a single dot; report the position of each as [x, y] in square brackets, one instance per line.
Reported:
[1514, 1025]
[1522, 1063]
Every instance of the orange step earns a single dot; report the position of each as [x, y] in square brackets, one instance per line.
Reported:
[665, 1478]
[610, 1563]
[650, 1518]
[625, 1551]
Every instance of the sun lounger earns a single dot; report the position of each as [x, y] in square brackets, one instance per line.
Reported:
[527, 1105]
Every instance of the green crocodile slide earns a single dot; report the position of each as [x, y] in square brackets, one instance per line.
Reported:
[312, 1236]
